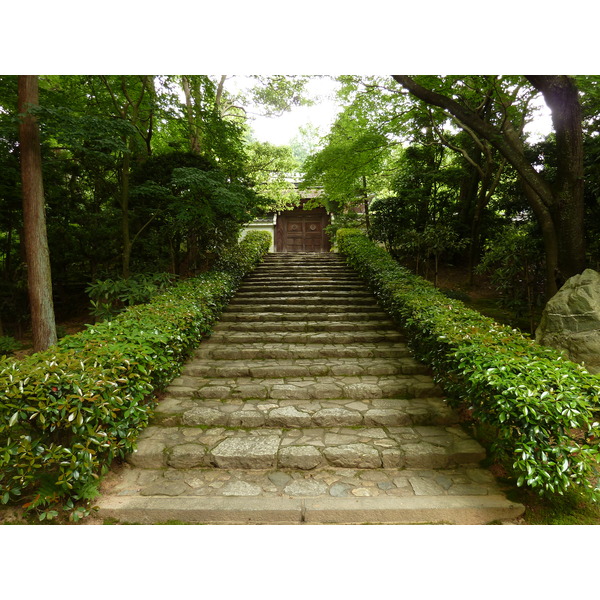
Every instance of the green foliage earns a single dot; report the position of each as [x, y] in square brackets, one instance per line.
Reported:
[343, 221]
[8, 345]
[514, 258]
[279, 93]
[404, 237]
[269, 167]
[110, 296]
[351, 165]
[540, 406]
[69, 411]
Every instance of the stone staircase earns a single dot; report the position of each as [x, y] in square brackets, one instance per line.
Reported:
[305, 406]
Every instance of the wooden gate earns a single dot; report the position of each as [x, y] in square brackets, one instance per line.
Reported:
[302, 230]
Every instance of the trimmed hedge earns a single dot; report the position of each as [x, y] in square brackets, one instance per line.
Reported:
[66, 413]
[539, 405]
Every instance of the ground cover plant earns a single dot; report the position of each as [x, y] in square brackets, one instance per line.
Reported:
[539, 407]
[69, 411]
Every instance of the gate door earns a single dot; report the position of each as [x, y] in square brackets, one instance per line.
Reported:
[302, 231]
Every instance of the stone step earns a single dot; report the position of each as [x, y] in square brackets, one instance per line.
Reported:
[289, 337]
[338, 268]
[292, 294]
[421, 447]
[302, 307]
[303, 367]
[323, 317]
[304, 388]
[261, 351]
[298, 287]
[318, 300]
[303, 256]
[287, 270]
[381, 412]
[308, 277]
[292, 282]
[271, 262]
[461, 495]
[305, 326]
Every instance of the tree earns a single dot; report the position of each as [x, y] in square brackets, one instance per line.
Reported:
[132, 102]
[269, 167]
[39, 278]
[350, 166]
[305, 143]
[557, 205]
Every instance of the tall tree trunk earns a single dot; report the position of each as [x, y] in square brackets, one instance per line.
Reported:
[562, 97]
[194, 136]
[125, 227]
[39, 278]
[366, 205]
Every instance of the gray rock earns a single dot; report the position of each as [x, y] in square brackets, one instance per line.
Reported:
[358, 391]
[165, 488]
[240, 488]
[385, 485]
[425, 487]
[300, 457]
[148, 455]
[279, 479]
[289, 416]
[340, 490]
[571, 320]
[252, 452]
[358, 456]
[187, 456]
[246, 418]
[332, 417]
[382, 416]
[204, 416]
[308, 487]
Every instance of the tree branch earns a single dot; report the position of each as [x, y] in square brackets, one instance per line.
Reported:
[507, 142]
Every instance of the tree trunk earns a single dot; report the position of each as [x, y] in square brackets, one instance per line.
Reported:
[39, 278]
[366, 205]
[562, 97]
[193, 133]
[125, 227]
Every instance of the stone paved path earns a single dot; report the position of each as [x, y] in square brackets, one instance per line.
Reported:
[304, 406]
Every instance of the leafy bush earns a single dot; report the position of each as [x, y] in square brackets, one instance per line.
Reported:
[111, 296]
[69, 411]
[8, 345]
[515, 261]
[539, 405]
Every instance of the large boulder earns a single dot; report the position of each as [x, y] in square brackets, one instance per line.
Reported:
[571, 320]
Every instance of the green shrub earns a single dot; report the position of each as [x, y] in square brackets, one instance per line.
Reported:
[110, 296]
[8, 345]
[540, 406]
[69, 411]
[515, 261]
